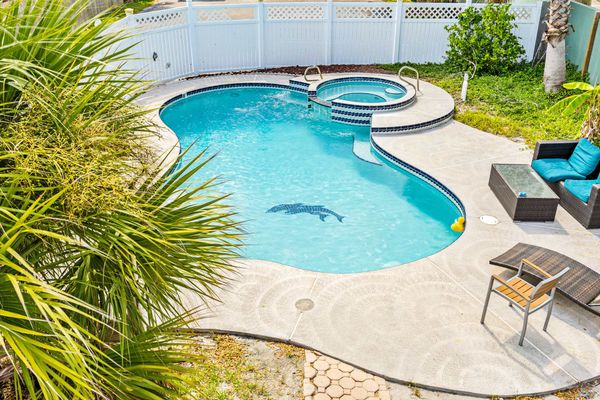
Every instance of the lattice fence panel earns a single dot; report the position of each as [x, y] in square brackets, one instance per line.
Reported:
[432, 12]
[153, 21]
[225, 14]
[291, 13]
[522, 13]
[364, 12]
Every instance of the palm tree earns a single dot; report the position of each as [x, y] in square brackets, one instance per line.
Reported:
[587, 102]
[557, 28]
[96, 245]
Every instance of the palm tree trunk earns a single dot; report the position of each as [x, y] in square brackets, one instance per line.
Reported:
[590, 128]
[558, 26]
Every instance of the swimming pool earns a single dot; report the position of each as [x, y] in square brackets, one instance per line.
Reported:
[360, 91]
[306, 200]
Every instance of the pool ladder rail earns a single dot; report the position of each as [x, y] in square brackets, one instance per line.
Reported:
[311, 68]
[417, 88]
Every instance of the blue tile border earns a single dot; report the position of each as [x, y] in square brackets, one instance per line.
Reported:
[351, 121]
[225, 86]
[413, 127]
[420, 174]
[386, 106]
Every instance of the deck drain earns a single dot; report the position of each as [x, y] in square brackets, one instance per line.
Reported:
[305, 304]
[489, 220]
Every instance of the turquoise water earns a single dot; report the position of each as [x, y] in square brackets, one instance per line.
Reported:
[360, 91]
[276, 154]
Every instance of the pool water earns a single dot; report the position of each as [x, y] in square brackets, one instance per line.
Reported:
[306, 200]
[360, 91]
[362, 98]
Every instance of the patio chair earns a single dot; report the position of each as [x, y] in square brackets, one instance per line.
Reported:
[580, 285]
[525, 296]
[571, 168]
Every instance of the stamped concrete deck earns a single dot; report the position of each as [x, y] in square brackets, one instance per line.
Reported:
[419, 322]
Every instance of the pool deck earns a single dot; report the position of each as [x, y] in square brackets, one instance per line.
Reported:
[419, 322]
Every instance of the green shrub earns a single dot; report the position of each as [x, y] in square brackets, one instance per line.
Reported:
[97, 245]
[485, 38]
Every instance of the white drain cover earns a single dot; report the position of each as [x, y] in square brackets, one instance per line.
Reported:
[489, 220]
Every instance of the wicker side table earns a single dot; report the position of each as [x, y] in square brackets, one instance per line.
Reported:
[522, 193]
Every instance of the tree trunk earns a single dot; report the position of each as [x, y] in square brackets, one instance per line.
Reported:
[558, 26]
[591, 126]
[555, 69]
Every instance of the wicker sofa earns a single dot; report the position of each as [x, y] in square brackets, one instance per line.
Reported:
[588, 214]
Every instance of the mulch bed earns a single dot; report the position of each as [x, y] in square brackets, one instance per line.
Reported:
[299, 70]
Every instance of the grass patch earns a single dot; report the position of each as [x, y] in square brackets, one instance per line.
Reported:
[512, 105]
[232, 369]
[225, 372]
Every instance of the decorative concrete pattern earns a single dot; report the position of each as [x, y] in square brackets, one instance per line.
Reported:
[419, 322]
[326, 378]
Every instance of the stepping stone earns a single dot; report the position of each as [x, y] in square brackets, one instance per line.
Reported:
[309, 372]
[321, 381]
[358, 375]
[321, 365]
[335, 373]
[370, 385]
[308, 389]
[335, 391]
[345, 367]
[347, 382]
[310, 356]
[359, 393]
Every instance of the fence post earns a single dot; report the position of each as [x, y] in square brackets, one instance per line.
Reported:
[329, 32]
[129, 17]
[590, 45]
[261, 33]
[397, 22]
[537, 20]
[191, 20]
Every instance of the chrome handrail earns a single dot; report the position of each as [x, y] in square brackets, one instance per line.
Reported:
[308, 69]
[407, 82]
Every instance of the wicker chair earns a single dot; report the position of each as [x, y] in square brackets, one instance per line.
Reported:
[588, 214]
[525, 296]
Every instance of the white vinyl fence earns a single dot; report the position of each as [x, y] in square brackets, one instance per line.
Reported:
[197, 39]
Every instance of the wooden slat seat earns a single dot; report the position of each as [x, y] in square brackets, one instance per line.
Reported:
[524, 289]
[580, 284]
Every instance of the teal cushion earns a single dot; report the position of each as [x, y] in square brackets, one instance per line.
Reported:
[581, 189]
[585, 157]
[555, 169]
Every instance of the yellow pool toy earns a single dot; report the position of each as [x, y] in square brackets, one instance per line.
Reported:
[458, 225]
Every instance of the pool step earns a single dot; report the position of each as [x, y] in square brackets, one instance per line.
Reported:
[362, 150]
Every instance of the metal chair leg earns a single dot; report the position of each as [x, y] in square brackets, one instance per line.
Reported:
[487, 300]
[525, 318]
[548, 314]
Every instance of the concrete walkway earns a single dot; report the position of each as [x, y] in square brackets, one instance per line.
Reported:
[419, 322]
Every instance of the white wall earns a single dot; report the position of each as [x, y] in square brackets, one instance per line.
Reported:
[196, 39]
